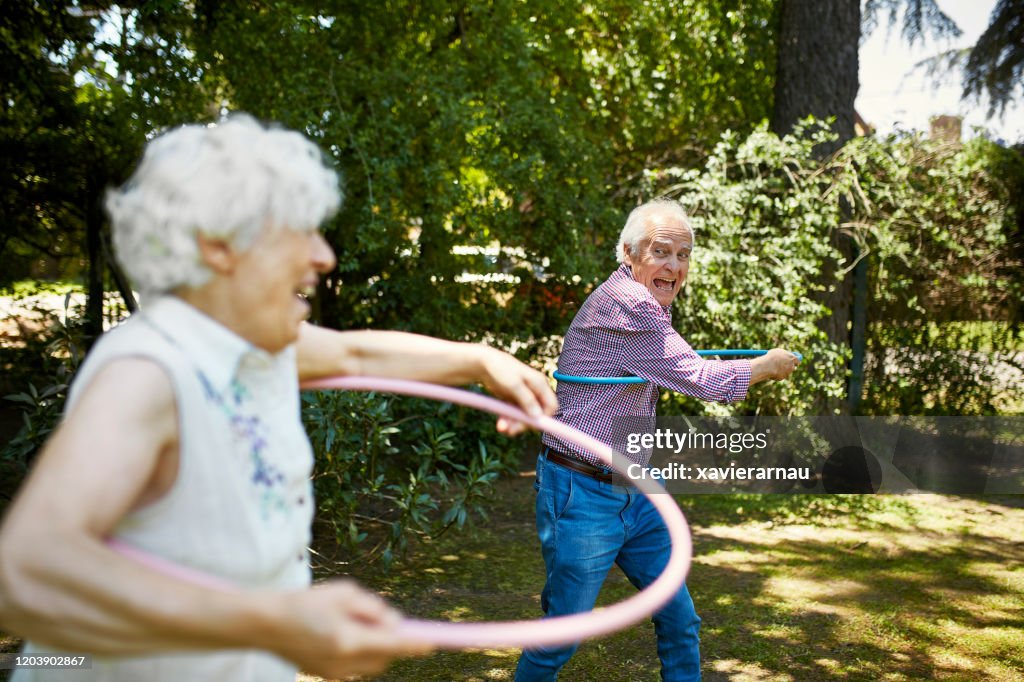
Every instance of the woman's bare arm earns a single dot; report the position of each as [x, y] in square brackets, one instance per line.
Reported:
[61, 586]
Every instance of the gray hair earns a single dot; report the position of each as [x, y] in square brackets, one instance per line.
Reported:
[642, 218]
[229, 181]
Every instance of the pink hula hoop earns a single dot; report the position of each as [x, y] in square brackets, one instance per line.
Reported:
[558, 631]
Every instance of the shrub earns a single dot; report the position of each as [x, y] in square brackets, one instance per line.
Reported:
[42, 363]
[937, 224]
[388, 468]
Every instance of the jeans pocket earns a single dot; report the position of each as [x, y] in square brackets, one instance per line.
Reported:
[560, 488]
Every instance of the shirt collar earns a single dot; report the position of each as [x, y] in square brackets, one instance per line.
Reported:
[625, 273]
[216, 350]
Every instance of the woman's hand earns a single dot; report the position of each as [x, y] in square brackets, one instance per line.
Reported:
[336, 630]
[517, 383]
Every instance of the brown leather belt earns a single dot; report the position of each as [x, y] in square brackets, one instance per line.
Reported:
[578, 466]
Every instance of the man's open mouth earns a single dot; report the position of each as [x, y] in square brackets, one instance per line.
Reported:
[664, 284]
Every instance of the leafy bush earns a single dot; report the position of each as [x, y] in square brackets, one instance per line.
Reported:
[43, 362]
[936, 222]
[388, 467]
[945, 275]
[761, 208]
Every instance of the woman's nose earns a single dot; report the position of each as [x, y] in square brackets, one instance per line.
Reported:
[322, 256]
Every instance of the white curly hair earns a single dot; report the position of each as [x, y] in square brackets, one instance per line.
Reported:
[642, 218]
[230, 181]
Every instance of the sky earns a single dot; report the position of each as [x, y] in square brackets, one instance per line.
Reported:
[893, 96]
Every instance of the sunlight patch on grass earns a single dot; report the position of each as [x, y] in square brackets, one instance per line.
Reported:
[457, 613]
[783, 634]
[741, 532]
[743, 671]
[828, 663]
[999, 642]
[986, 608]
[738, 560]
[1010, 577]
[799, 589]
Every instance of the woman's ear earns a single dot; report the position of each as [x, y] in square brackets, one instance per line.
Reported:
[217, 254]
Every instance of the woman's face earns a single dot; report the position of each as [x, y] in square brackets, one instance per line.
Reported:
[272, 280]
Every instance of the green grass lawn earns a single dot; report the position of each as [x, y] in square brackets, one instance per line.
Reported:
[924, 587]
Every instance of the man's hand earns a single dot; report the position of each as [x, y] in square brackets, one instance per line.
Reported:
[511, 380]
[776, 364]
[339, 629]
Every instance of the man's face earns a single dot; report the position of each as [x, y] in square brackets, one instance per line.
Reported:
[662, 258]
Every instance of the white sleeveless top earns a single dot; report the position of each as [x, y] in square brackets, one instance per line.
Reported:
[242, 504]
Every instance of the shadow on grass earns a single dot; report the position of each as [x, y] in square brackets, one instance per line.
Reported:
[790, 588]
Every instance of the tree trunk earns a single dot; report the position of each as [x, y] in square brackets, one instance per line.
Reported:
[96, 266]
[817, 75]
[120, 279]
[816, 66]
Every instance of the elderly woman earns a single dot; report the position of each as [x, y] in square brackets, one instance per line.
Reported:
[182, 435]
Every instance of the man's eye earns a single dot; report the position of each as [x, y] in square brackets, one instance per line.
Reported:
[684, 256]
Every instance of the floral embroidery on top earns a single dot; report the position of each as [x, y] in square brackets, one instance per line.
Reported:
[266, 478]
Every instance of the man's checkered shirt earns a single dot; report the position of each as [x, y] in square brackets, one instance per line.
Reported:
[621, 330]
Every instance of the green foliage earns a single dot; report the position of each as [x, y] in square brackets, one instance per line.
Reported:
[38, 178]
[995, 67]
[490, 124]
[80, 90]
[390, 468]
[940, 222]
[936, 223]
[47, 357]
[762, 209]
[39, 418]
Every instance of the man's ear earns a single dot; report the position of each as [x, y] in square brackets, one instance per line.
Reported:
[626, 258]
[217, 254]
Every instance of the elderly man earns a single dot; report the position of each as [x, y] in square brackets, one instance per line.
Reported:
[585, 523]
[182, 434]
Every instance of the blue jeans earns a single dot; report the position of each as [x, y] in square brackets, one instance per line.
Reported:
[585, 526]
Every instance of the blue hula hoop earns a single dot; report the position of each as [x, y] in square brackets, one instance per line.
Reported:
[719, 352]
